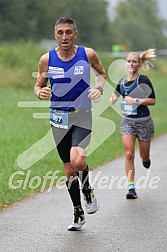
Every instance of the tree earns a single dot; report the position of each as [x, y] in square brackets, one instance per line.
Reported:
[34, 20]
[138, 25]
[19, 19]
[91, 18]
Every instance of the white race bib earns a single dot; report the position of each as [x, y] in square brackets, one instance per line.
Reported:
[59, 118]
[129, 109]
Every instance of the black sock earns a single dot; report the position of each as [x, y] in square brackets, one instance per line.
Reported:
[84, 177]
[74, 191]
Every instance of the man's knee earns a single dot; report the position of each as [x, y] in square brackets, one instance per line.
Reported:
[69, 171]
[78, 163]
[77, 158]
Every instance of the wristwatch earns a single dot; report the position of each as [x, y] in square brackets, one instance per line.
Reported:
[136, 100]
[100, 89]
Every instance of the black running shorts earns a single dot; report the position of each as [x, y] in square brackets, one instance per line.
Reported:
[78, 134]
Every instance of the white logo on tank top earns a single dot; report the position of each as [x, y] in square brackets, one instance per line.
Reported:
[78, 70]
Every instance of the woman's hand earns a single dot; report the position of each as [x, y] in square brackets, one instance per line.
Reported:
[129, 99]
[113, 98]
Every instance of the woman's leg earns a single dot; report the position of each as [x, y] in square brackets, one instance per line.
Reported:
[145, 134]
[144, 149]
[129, 146]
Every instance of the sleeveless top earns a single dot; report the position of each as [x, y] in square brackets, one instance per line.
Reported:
[70, 81]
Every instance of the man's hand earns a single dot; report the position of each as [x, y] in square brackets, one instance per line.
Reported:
[94, 94]
[45, 93]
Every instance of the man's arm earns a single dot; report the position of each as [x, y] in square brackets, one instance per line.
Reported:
[40, 89]
[94, 61]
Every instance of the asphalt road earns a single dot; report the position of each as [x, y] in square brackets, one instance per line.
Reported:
[40, 223]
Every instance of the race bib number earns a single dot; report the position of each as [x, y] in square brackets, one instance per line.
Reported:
[129, 109]
[59, 119]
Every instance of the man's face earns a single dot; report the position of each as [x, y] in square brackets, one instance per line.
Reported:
[65, 34]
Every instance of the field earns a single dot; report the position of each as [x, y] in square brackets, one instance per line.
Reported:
[21, 132]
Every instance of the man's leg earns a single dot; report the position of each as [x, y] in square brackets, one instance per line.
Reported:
[73, 187]
[63, 142]
[78, 156]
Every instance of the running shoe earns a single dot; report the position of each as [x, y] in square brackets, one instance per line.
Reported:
[147, 163]
[90, 200]
[78, 221]
[131, 194]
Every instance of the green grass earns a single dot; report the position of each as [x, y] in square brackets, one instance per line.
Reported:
[19, 130]
[17, 63]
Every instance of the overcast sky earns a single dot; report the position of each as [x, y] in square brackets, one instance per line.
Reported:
[162, 7]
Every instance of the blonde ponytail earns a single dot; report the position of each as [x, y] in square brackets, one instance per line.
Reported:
[146, 57]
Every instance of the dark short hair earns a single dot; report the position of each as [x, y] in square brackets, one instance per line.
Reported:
[64, 20]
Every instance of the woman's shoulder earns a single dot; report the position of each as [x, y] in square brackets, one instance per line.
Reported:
[122, 81]
[143, 78]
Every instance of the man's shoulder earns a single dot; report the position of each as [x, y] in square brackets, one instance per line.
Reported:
[44, 58]
[89, 50]
[91, 54]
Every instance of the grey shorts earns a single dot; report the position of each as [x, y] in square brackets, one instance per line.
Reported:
[142, 129]
[78, 134]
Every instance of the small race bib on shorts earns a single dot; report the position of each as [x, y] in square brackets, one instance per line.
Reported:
[129, 109]
[59, 119]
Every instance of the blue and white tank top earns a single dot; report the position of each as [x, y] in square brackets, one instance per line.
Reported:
[70, 81]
